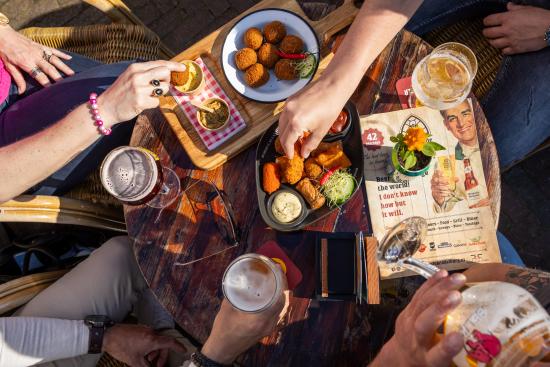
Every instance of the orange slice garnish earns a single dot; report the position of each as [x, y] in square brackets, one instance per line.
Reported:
[280, 262]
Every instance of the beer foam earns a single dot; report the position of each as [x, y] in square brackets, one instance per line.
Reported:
[250, 284]
[129, 174]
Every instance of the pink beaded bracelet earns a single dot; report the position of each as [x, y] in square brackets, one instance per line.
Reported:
[96, 116]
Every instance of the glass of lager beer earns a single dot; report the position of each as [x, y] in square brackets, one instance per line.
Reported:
[253, 283]
[444, 78]
[135, 176]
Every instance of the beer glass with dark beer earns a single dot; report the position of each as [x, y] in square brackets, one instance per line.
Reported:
[135, 176]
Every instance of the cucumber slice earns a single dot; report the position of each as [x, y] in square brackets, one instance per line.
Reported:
[338, 188]
[307, 66]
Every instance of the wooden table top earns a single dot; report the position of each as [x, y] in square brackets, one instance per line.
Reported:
[318, 333]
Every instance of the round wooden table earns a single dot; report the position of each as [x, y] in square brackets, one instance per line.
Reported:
[318, 333]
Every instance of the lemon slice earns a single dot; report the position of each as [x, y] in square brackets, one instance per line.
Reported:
[280, 262]
[455, 72]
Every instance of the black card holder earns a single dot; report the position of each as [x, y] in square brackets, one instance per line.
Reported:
[337, 264]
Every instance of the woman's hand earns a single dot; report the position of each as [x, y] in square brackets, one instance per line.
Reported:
[312, 110]
[520, 29]
[132, 92]
[20, 54]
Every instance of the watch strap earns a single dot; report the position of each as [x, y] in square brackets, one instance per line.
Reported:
[200, 360]
[95, 344]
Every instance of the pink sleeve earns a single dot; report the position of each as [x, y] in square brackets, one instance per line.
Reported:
[5, 82]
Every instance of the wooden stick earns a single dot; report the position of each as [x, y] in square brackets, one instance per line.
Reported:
[373, 278]
[201, 106]
[324, 268]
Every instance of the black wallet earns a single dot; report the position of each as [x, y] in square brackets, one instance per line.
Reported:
[341, 266]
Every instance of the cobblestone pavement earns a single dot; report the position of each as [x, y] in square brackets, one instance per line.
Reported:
[179, 23]
[525, 215]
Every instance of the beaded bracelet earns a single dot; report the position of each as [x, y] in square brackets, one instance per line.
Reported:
[96, 116]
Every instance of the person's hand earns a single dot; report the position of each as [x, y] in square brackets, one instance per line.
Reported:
[441, 187]
[518, 30]
[20, 54]
[312, 110]
[413, 344]
[132, 92]
[139, 346]
[235, 331]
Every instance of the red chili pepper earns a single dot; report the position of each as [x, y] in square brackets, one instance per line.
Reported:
[284, 55]
[327, 175]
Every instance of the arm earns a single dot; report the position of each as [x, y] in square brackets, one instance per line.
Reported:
[26, 341]
[413, 343]
[234, 332]
[29, 161]
[315, 108]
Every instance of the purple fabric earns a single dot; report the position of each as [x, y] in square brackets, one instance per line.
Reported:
[5, 82]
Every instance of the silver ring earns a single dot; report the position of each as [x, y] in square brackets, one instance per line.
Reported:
[157, 92]
[155, 83]
[46, 55]
[36, 71]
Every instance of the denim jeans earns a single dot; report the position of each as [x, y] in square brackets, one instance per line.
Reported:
[518, 105]
[38, 108]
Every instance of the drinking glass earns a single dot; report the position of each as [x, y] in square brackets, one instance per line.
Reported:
[443, 79]
[254, 283]
[135, 176]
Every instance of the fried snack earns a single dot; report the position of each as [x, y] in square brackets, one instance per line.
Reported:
[267, 55]
[311, 193]
[253, 38]
[292, 45]
[292, 170]
[245, 58]
[331, 155]
[256, 75]
[312, 169]
[274, 32]
[285, 70]
[179, 78]
[271, 177]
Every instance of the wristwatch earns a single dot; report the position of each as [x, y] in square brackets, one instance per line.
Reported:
[200, 360]
[547, 36]
[97, 325]
[4, 19]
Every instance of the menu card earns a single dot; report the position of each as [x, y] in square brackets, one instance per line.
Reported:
[461, 229]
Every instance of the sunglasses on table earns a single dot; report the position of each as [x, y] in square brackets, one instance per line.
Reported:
[210, 205]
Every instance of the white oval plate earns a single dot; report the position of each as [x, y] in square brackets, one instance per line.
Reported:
[274, 90]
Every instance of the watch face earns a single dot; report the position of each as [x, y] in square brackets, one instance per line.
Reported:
[97, 320]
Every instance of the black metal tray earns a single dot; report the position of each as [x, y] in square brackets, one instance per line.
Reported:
[265, 152]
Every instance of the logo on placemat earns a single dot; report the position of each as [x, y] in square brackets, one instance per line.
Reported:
[372, 139]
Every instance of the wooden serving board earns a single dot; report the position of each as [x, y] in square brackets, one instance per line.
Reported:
[258, 116]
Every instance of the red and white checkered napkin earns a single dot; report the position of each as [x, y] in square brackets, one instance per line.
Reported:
[212, 139]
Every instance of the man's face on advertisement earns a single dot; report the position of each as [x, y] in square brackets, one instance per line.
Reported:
[460, 122]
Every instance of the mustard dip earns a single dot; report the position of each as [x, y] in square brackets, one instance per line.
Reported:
[286, 207]
[194, 79]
